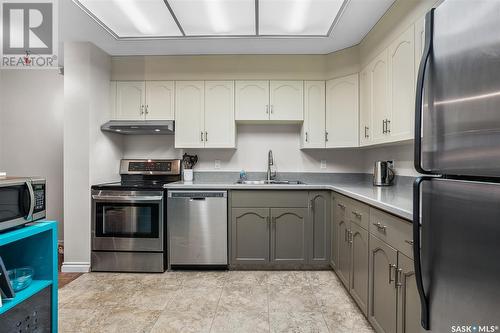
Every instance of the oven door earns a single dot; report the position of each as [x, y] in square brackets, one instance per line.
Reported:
[16, 203]
[127, 221]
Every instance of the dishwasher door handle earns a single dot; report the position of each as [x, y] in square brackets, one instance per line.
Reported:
[197, 199]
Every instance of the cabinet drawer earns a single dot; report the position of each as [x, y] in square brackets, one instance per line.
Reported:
[269, 198]
[394, 231]
[359, 213]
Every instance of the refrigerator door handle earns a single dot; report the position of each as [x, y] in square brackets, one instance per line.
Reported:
[429, 33]
[424, 303]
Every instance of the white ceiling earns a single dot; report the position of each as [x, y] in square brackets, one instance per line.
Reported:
[355, 22]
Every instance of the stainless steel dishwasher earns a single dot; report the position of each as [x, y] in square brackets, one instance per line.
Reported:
[197, 228]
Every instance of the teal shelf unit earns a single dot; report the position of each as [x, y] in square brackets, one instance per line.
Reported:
[34, 245]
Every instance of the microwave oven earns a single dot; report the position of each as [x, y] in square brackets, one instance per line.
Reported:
[22, 200]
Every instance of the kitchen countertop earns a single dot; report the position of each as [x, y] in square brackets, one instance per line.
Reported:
[396, 199]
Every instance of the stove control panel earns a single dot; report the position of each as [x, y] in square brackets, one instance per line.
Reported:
[150, 167]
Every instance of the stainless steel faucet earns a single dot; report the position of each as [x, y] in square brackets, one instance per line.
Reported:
[270, 162]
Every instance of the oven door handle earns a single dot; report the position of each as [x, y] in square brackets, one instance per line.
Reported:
[127, 198]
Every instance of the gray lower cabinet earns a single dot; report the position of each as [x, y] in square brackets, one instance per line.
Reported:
[344, 252]
[338, 214]
[408, 298]
[319, 208]
[250, 235]
[382, 310]
[358, 286]
[289, 235]
[280, 229]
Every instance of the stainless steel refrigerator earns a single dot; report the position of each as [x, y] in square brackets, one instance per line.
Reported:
[457, 146]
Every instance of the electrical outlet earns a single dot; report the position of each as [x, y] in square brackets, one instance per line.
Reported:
[217, 164]
[323, 164]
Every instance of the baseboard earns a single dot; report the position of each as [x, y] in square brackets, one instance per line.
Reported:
[75, 267]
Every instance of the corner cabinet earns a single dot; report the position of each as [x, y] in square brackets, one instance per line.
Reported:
[402, 86]
[313, 128]
[204, 114]
[387, 90]
[280, 101]
[342, 112]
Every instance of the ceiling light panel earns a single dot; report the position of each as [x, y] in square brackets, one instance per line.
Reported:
[215, 17]
[297, 17]
[133, 18]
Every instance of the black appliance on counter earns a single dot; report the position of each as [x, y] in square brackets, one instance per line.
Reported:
[128, 230]
[457, 145]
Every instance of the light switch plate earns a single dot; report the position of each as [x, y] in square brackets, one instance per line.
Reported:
[217, 164]
[323, 164]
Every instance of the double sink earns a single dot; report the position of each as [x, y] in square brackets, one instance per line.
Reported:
[270, 182]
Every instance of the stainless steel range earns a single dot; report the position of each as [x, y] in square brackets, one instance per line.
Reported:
[128, 232]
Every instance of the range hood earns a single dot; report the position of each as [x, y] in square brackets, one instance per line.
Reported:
[131, 127]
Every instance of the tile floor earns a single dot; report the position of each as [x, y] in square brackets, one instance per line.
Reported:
[235, 301]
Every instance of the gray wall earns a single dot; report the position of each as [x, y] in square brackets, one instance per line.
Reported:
[31, 130]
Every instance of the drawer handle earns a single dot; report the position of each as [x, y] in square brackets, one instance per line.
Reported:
[380, 227]
[341, 205]
[358, 215]
[409, 241]
[391, 267]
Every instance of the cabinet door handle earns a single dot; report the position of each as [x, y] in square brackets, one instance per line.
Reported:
[366, 132]
[271, 107]
[326, 136]
[341, 205]
[391, 268]
[351, 237]
[307, 140]
[311, 205]
[358, 215]
[387, 126]
[345, 235]
[206, 136]
[399, 278]
[409, 241]
[147, 107]
[201, 136]
[267, 109]
[142, 109]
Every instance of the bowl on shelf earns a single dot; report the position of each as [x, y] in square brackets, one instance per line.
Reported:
[20, 278]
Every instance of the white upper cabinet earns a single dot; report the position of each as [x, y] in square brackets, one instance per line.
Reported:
[220, 128]
[342, 112]
[189, 114]
[313, 128]
[365, 111]
[286, 100]
[252, 100]
[379, 97]
[160, 100]
[402, 86]
[130, 100]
